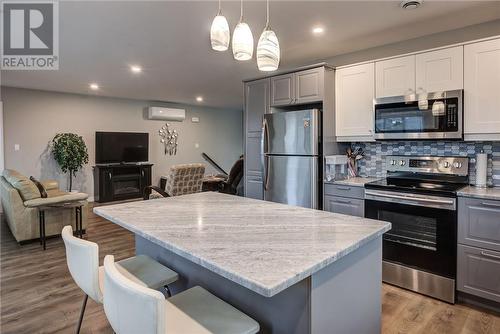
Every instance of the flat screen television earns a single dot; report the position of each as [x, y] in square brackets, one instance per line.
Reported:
[121, 147]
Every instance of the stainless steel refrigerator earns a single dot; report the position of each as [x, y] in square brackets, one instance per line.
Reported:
[290, 144]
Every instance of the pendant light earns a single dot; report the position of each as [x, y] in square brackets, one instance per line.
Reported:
[242, 40]
[268, 48]
[219, 32]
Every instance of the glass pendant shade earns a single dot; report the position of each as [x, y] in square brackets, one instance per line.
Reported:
[268, 51]
[242, 42]
[219, 33]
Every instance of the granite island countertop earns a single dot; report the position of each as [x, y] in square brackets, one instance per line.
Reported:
[483, 193]
[263, 246]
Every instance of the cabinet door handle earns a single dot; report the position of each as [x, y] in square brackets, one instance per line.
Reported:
[342, 201]
[492, 256]
[496, 205]
[142, 173]
[110, 176]
[343, 188]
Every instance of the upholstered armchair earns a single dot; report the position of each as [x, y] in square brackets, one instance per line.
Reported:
[181, 180]
[20, 201]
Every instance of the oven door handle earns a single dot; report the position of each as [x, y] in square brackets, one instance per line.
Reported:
[408, 198]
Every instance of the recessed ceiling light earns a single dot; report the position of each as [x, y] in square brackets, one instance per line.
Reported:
[318, 30]
[199, 98]
[94, 86]
[136, 69]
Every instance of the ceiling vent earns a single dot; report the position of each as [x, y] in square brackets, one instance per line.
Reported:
[410, 4]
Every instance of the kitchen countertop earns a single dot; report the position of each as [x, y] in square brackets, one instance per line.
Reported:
[484, 193]
[355, 181]
[263, 246]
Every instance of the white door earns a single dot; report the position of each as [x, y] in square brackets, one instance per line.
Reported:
[482, 88]
[395, 77]
[440, 70]
[354, 91]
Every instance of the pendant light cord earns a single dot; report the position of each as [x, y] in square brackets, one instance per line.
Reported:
[220, 10]
[267, 17]
[241, 11]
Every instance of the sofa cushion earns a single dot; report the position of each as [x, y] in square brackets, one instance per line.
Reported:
[26, 188]
[50, 184]
[69, 197]
[40, 187]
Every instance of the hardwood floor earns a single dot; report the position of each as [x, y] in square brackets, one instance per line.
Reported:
[38, 295]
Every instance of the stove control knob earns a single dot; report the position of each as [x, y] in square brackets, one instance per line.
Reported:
[457, 164]
[394, 162]
[446, 164]
[402, 163]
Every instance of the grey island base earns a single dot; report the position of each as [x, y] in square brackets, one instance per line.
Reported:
[293, 270]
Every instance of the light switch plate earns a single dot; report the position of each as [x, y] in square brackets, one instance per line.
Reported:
[195, 119]
[17, 147]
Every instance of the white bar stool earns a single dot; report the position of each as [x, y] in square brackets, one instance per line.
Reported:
[83, 262]
[132, 308]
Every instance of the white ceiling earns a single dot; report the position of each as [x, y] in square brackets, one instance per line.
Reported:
[170, 39]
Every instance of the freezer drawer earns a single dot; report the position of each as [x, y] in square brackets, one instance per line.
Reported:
[291, 180]
[291, 132]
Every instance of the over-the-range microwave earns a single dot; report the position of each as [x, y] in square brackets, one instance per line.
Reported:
[425, 116]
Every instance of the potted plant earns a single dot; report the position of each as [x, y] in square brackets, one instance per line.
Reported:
[70, 152]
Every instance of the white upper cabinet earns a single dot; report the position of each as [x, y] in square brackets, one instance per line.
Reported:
[395, 77]
[482, 90]
[440, 70]
[354, 93]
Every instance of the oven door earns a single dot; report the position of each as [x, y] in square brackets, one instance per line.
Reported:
[437, 115]
[424, 230]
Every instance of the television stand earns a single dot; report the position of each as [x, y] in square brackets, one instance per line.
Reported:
[117, 182]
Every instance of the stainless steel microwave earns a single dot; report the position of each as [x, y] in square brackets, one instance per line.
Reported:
[434, 116]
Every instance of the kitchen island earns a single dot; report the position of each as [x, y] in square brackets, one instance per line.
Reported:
[294, 270]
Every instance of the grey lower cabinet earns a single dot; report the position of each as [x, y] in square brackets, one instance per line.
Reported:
[257, 95]
[347, 200]
[478, 252]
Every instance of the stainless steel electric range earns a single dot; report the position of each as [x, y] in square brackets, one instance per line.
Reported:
[419, 198]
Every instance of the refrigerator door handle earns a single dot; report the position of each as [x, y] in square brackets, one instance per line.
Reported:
[265, 136]
[267, 163]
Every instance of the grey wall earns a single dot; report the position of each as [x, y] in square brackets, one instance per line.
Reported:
[469, 33]
[32, 118]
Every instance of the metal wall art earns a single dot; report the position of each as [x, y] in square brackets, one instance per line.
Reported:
[168, 139]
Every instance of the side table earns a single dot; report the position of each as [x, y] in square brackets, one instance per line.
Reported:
[78, 217]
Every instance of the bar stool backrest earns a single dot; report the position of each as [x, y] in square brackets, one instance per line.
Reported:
[130, 307]
[82, 257]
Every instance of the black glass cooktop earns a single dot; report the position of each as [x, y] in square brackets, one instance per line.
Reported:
[431, 187]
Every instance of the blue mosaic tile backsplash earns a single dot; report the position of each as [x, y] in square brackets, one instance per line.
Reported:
[375, 152]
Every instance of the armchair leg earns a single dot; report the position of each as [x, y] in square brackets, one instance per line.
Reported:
[79, 325]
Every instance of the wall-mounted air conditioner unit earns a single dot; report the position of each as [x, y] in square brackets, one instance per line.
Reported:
[167, 114]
